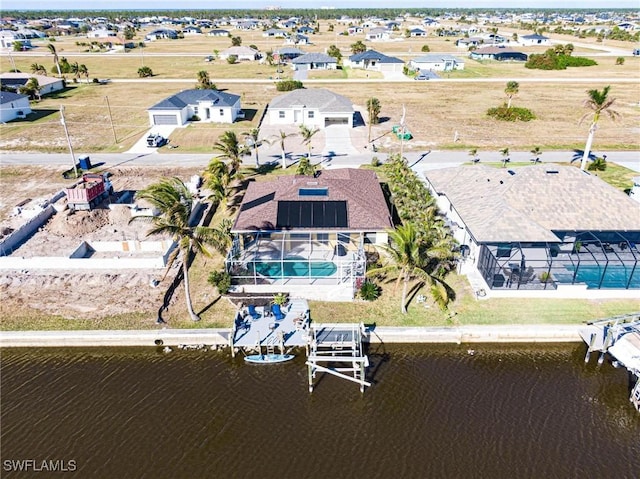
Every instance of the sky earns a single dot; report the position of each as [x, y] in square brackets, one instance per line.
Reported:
[212, 4]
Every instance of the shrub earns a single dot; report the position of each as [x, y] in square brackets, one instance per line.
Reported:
[545, 277]
[231, 59]
[511, 114]
[599, 164]
[552, 60]
[220, 280]
[144, 72]
[369, 291]
[375, 161]
[425, 48]
[194, 118]
[280, 299]
[620, 61]
[289, 85]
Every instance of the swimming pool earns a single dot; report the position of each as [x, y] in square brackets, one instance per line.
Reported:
[615, 276]
[295, 267]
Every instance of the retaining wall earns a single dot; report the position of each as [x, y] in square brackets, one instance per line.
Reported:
[25, 231]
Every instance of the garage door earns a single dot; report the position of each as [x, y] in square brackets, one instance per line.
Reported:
[165, 120]
[336, 121]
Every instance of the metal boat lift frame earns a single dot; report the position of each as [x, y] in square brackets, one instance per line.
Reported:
[339, 347]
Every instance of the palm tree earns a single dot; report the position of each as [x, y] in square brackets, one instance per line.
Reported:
[229, 148]
[84, 71]
[474, 153]
[305, 167]
[505, 156]
[217, 179]
[306, 133]
[358, 47]
[204, 82]
[405, 259]
[598, 102]
[172, 198]
[252, 135]
[511, 90]
[536, 152]
[75, 69]
[38, 69]
[281, 138]
[373, 110]
[52, 49]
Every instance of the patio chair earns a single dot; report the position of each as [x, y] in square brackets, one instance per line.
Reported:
[252, 312]
[277, 312]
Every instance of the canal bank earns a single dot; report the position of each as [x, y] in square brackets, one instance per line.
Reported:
[543, 333]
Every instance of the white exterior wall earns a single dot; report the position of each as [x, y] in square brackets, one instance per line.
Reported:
[9, 111]
[296, 116]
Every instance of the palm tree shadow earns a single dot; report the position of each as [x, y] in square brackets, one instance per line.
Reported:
[578, 154]
[169, 295]
[208, 306]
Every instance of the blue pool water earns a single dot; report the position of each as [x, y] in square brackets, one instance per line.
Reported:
[296, 268]
[615, 276]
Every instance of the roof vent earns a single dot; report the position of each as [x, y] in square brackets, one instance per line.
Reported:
[511, 172]
[552, 172]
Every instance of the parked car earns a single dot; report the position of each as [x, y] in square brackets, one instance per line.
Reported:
[421, 76]
[155, 140]
[636, 52]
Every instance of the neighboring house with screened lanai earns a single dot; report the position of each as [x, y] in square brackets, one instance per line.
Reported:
[308, 235]
[541, 231]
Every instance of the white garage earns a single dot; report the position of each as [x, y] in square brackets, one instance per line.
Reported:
[165, 120]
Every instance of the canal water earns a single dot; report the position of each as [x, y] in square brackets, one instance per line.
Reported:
[499, 411]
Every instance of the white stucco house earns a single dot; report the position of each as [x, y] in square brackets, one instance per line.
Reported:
[533, 40]
[314, 61]
[376, 61]
[210, 106]
[437, 62]
[314, 107]
[241, 53]
[13, 81]
[13, 105]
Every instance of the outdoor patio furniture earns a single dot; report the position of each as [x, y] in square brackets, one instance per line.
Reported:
[277, 312]
[252, 311]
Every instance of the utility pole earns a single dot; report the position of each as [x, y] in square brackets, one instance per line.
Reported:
[404, 113]
[66, 132]
[113, 128]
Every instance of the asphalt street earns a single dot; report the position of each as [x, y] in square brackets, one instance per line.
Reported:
[429, 159]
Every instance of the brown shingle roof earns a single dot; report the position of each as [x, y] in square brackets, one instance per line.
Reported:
[530, 204]
[366, 206]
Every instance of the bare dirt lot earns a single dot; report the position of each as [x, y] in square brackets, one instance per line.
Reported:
[94, 294]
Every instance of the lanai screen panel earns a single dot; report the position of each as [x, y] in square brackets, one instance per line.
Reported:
[312, 214]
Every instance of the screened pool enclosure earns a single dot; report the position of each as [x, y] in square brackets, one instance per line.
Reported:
[298, 258]
[599, 260]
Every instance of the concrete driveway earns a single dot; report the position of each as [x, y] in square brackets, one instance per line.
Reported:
[141, 145]
[338, 141]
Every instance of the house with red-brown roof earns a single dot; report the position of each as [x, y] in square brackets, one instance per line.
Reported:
[296, 231]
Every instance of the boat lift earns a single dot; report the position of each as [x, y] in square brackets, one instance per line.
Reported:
[337, 349]
[620, 337]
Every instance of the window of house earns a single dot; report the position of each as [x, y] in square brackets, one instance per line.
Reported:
[195, 110]
[221, 112]
[281, 114]
[311, 114]
[322, 238]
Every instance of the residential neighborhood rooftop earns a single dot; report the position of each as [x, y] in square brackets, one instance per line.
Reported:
[529, 203]
[186, 97]
[320, 98]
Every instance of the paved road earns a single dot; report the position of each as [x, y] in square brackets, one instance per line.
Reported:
[429, 159]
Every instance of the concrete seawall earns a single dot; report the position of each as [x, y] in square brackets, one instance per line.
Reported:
[220, 337]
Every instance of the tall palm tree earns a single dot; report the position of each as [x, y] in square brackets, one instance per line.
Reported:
[229, 148]
[204, 82]
[373, 110]
[172, 198]
[404, 259]
[306, 133]
[52, 49]
[281, 138]
[218, 180]
[84, 71]
[598, 102]
[253, 135]
[511, 90]
[75, 69]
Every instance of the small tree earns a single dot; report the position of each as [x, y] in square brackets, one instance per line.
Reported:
[425, 48]
[474, 153]
[536, 152]
[236, 41]
[204, 83]
[305, 167]
[306, 134]
[511, 90]
[281, 139]
[334, 51]
[620, 61]
[289, 85]
[144, 72]
[252, 136]
[358, 47]
[231, 59]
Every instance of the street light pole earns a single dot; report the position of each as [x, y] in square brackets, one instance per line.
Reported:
[66, 132]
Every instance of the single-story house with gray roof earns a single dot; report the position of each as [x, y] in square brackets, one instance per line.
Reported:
[437, 62]
[542, 227]
[376, 61]
[12, 81]
[314, 61]
[13, 105]
[209, 105]
[533, 40]
[314, 107]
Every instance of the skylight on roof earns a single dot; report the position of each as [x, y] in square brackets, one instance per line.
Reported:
[313, 191]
